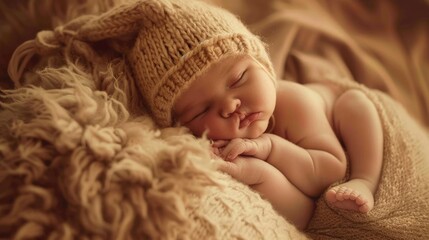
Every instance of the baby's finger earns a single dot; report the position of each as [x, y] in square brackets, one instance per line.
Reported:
[234, 149]
[216, 151]
[220, 143]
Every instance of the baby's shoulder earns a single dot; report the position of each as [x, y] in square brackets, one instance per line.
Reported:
[293, 95]
[300, 111]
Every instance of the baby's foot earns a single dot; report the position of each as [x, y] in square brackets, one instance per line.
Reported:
[352, 195]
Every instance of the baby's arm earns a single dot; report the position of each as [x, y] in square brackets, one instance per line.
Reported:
[273, 186]
[311, 170]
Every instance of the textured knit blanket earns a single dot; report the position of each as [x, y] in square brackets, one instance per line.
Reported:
[401, 208]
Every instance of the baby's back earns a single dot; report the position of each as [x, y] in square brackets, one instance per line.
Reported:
[329, 94]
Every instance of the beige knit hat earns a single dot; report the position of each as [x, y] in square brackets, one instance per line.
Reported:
[179, 39]
[166, 44]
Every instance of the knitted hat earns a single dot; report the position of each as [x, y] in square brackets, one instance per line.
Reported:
[166, 43]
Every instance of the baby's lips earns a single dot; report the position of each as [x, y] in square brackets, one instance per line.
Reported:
[249, 119]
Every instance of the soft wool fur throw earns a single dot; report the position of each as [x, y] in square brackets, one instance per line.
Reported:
[75, 165]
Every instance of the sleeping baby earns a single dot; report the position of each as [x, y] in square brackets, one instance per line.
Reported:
[333, 144]
[199, 67]
[286, 140]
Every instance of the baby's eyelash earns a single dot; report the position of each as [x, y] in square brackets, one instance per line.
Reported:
[200, 113]
[238, 79]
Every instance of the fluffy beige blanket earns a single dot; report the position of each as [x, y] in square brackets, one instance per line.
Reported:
[77, 161]
[75, 165]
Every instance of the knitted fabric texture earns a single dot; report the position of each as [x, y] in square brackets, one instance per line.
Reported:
[176, 41]
[401, 201]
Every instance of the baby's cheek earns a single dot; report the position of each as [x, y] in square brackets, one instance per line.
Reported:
[195, 129]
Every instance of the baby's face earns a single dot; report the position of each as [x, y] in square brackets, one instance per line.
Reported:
[234, 98]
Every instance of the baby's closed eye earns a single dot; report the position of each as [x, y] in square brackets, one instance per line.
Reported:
[239, 80]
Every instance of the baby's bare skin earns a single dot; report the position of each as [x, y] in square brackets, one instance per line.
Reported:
[356, 194]
[303, 154]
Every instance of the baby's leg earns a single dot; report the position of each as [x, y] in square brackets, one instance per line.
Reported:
[357, 122]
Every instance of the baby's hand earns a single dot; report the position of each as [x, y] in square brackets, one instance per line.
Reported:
[229, 150]
[218, 145]
[239, 146]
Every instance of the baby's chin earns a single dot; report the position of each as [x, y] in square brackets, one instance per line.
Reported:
[244, 134]
[255, 131]
[253, 134]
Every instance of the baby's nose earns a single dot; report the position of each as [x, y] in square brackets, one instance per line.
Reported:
[230, 107]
